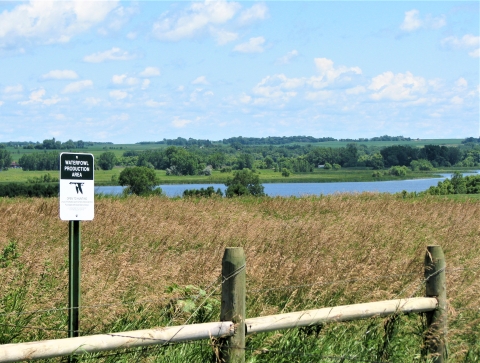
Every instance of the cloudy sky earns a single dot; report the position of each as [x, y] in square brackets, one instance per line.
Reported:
[125, 72]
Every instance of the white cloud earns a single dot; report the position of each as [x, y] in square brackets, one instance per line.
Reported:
[60, 74]
[1, 103]
[79, 86]
[412, 21]
[180, 123]
[46, 22]
[244, 98]
[355, 90]
[461, 83]
[328, 74]
[475, 53]
[198, 18]
[118, 18]
[468, 41]
[122, 79]
[115, 54]
[92, 101]
[200, 80]
[287, 58]
[118, 95]
[150, 72]
[254, 45]
[13, 89]
[397, 87]
[152, 103]
[145, 84]
[223, 36]
[36, 97]
[278, 87]
[256, 12]
[456, 100]
[120, 117]
[318, 95]
[51, 101]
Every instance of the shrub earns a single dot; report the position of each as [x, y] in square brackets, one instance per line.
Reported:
[398, 170]
[206, 193]
[139, 180]
[40, 190]
[244, 182]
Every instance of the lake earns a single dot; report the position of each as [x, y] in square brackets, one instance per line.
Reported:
[301, 189]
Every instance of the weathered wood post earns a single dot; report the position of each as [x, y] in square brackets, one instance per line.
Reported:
[437, 319]
[232, 349]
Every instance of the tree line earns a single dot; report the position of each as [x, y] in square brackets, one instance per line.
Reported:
[296, 158]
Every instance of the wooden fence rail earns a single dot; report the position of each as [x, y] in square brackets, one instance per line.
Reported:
[232, 330]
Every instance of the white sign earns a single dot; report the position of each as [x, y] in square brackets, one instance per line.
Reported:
[76, 187]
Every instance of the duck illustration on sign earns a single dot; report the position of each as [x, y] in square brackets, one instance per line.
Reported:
[78, 187]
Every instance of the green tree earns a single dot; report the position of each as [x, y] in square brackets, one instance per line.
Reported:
[139, 180]
[107, 160]
[398, 170]
[5, 159]
[285, 172]
[244, 182]
[459, 183]
[421, 164]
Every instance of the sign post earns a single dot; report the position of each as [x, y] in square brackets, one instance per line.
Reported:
[76, 204]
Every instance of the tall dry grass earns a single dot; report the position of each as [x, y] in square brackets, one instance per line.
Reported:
[301, 253]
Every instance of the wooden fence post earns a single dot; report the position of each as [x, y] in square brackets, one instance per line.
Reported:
[436, 319]
[232, 349]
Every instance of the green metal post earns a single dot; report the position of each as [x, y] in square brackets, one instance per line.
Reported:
[74, 279]
[437, 319]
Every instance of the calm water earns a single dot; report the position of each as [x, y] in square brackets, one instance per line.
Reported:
[301, 189]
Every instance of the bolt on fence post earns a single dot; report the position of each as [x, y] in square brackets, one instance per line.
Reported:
[232, 349]
[436, 334]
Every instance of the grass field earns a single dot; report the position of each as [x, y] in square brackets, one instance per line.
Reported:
[104, 177]
[154, 261]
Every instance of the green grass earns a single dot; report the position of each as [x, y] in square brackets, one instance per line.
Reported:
[104, 177]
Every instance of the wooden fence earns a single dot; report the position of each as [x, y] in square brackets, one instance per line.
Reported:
[233, 328]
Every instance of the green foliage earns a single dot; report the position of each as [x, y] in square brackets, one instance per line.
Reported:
[244, 161]
[458, 184]
[40, 190]
[398, 170]
[9, 254]
[46, 178]
[206, 193]
[336, 166]
[421, 164]
[139, 180]
[244, 182]
[5, 159]
[177, 159]
[107, 160]
[327, 166]
[285, 172]
[40, 161]
[192, 302]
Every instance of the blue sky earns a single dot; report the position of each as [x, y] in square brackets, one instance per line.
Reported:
[126, 72]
